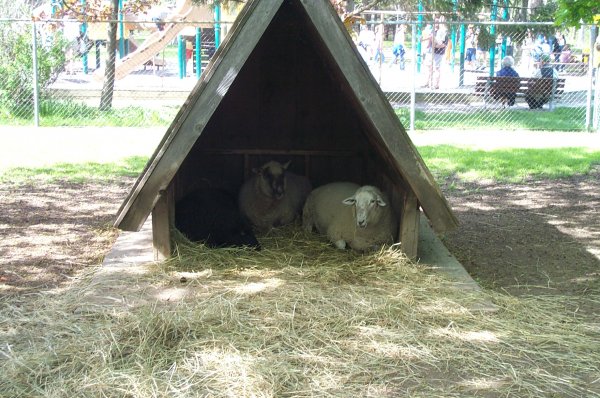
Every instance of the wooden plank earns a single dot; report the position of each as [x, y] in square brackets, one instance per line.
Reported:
[289, 152]
[162, 221]
[409, 225]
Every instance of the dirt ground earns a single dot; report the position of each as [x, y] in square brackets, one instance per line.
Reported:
[49, 232]
[540, 237]
[537, 237]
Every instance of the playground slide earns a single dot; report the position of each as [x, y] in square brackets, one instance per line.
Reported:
[159, 39]
[133, 44]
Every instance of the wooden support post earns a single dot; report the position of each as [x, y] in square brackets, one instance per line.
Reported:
[162, 220]
[409, 225]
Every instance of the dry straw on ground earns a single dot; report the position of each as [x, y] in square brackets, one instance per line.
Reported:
[298, 318]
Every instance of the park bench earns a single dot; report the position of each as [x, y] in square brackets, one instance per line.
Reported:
[492, 88]
[571, 68]
[155, 62]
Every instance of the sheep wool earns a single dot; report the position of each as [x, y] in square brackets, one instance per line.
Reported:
[350, 215]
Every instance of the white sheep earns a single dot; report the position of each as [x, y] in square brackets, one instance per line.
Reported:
[273, 196]
[350, 215]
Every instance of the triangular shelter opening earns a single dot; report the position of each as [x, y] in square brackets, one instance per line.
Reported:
[287, 84]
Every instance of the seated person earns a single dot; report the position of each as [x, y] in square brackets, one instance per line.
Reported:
[566, 56]
[507, 71]
[536, 100]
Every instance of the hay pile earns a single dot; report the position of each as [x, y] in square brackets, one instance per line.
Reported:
[298, 318]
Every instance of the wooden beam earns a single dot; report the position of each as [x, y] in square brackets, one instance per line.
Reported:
[162, 220]
[289, 152]
[409, 225]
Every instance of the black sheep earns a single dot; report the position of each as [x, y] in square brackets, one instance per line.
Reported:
[212, 216]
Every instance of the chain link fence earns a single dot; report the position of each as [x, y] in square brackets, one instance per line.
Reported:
[157, 66]
[451, 88]
[60, 80]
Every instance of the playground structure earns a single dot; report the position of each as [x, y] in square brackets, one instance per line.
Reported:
[145, 53]
[166, 28]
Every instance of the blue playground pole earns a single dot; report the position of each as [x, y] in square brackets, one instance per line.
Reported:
[217, 25]
[121, 31]
[56, 5]
[198, 52]
[84, 57]
[494, 17]
[418, 52]
[505, 18]
[181, 56]
[453, 36]
[461, 74]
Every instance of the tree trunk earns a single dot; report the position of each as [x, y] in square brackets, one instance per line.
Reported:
[111, 58]
[522, 13]
[350, 6]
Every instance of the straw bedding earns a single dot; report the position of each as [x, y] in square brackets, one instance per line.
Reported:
[298, 318]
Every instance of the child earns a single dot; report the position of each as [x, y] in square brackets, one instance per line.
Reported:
[565, 57]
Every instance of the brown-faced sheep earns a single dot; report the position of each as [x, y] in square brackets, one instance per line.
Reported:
[273, 196]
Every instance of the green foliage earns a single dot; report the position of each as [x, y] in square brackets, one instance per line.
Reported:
[16, 66]
[508, 165]
[575, 12]
[485, 40]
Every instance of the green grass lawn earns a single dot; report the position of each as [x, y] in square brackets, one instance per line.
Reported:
[76, 172]
[57, 113]
[508, 165]
[560, 119]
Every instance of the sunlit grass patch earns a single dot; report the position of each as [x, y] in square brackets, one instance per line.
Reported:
[559, 119]
[76, 172]
[508, 165]
[69, 112]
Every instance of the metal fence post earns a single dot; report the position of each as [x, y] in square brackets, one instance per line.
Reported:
[36, 89]
[596, 122]
[588, 102]
[594, 61]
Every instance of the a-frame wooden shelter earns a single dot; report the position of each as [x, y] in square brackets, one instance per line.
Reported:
[286, 84]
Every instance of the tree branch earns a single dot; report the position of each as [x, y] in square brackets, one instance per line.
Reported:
[361, 9]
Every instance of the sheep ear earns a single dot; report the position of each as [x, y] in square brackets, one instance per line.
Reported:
[380, 202]
[349, 201]
[285, 166]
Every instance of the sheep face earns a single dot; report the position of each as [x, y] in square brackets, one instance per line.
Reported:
[271, 181]
[366, 202]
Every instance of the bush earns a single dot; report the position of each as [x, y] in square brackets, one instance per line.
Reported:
[16, 66]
